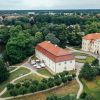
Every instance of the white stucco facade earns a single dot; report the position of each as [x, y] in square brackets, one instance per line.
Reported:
[55, 67]
[91, 45]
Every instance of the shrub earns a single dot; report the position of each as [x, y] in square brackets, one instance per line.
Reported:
[18, 85]
[64, 79]
[62, 74]
[33, 88]
[35, 82]
[50, 84]
[26, 83]
[56, 76]
[83, 95]
[10, 86]
[23, 90]
[58, 81]
[69, 78]
[44, 80]
[66, 72]
[42, 86]
[13, 92]
[73, 75]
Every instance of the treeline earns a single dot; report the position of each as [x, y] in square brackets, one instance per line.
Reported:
[91, 11]
[21, 35]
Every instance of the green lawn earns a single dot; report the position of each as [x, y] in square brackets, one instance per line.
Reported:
[14, 75]
[89, 59]
[80, 54]
[12, 68]
[44, 71]
[30, 77]
[92, 87]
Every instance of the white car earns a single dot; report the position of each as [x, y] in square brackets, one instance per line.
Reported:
[35, 65]
[42, 65]
[38, 67]
[33, 62]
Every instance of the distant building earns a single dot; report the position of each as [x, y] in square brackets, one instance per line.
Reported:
[91, 42]
[55, 58]
[31, 13]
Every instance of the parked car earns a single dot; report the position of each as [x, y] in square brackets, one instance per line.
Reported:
[42, 64]
[38, 61]
[35, 65]
[33, 62]
[38, 67]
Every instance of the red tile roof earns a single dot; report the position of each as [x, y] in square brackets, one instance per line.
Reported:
[92, 36]
[54, 52]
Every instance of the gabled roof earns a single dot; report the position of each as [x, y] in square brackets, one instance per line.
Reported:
[54, 52]
[92, 36]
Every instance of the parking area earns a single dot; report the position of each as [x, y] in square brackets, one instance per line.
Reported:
[37, 64]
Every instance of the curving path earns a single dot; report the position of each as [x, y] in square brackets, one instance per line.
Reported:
[80, 86]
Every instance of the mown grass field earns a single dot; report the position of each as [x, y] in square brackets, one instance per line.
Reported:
[92, 87]
[30, 77]
[44, 71]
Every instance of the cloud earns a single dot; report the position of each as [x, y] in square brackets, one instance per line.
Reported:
[48, 4]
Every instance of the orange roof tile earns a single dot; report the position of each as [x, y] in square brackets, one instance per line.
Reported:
[92, 36]
[54, 52]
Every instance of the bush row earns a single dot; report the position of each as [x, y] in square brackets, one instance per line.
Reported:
[31, 86]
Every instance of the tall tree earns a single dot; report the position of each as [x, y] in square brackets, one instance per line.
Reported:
[19, 47]
[4, 73]
[51, 37]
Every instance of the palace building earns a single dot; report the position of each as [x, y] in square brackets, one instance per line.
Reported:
[91, 42]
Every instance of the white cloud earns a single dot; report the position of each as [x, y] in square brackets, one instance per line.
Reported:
[48, 4]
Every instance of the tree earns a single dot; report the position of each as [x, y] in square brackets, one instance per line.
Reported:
[4, 35]
[33, 88]
[95, 62]
[51, 84]
[19, 47]
[88, 72]
[58, 81]
[51, 37]
[42, 86]
[10, 86]
[23, 90]
[26, 83]
[14, 92]
[4, 73]
[38, 37]
[64, 79]
[69, 78]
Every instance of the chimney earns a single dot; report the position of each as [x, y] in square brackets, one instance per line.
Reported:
[49, 42]
[55, 45]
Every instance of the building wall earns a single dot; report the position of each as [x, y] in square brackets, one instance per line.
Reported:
[93, 47]
[56, 67]
[85, 45]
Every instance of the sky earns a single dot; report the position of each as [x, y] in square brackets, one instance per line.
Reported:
[48, 4]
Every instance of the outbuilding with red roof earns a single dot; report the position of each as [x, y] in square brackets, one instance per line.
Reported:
[55, 58]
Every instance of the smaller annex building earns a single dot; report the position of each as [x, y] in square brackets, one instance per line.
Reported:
[55, 58]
